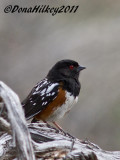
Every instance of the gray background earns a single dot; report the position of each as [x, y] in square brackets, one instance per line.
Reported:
[31, 43]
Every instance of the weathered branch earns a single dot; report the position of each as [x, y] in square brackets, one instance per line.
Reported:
[47, 142]
[21, 136]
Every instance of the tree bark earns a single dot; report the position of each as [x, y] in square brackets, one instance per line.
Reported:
[33, 141]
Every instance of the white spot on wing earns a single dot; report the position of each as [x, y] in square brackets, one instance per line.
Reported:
[51, 87]
[42, 83]
[37, 88]
[49, 94]
[44, 103]
[43, 98]
[43, 91]
[52, 93]
[45, 82]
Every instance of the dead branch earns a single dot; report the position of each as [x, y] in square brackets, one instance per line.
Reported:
[39, 140]
[21, 137]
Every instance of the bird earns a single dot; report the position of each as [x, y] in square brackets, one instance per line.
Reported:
[55, 95]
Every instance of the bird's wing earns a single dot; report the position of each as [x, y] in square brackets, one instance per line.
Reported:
[40, 96]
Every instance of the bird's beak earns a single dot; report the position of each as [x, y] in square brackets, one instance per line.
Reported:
[80, 68]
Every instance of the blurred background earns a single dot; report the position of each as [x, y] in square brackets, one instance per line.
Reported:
[30, 44]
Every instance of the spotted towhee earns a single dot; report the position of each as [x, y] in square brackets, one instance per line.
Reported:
[55, 95]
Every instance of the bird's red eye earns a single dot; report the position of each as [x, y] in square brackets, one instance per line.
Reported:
[71, 67]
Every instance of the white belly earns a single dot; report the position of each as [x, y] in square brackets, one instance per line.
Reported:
[60, 112]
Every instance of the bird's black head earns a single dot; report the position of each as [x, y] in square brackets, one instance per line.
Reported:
[65, 69]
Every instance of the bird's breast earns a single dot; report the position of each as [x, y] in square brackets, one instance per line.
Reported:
[60, 111]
